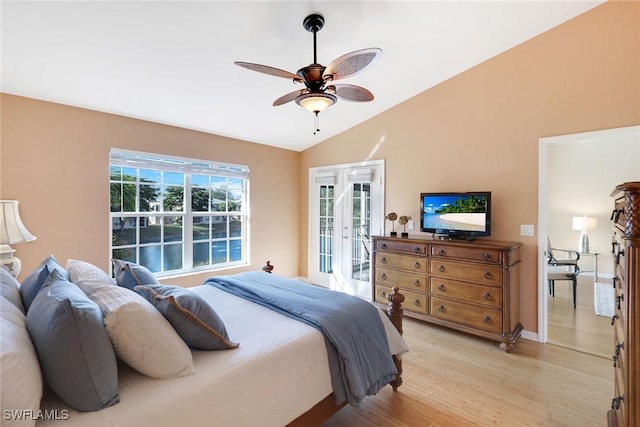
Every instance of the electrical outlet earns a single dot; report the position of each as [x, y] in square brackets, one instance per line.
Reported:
[526, 230]
[410, 225]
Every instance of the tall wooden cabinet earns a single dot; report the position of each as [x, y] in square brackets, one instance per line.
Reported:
[471, 286]
[625, 405]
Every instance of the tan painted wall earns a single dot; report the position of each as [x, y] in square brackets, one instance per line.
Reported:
[55, 158]
[480, 129]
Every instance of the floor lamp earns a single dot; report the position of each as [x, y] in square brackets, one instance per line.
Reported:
[584, 224]
[11, 231]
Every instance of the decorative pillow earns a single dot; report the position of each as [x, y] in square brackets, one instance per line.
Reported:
[21, 385]
[141, 337]
[34, 281]
[79, 270]
[129, 274]
[10, 289]
[191, 316]
[76, 356]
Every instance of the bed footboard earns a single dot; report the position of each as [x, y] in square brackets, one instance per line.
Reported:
[394, 311]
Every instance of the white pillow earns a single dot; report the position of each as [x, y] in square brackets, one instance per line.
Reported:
[21, 385]
[141, 336]
[10, 289]
[84, 270]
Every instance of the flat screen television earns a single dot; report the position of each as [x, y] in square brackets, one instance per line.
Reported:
[456, 215]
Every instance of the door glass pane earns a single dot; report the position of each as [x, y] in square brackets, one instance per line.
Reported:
[361, 231]
[325, 251]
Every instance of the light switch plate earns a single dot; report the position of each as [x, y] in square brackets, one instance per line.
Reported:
[526, 230]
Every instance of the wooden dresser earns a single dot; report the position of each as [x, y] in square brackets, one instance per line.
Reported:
[471, 286]
[625, 405]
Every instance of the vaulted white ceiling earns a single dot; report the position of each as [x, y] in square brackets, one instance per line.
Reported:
[172, 62]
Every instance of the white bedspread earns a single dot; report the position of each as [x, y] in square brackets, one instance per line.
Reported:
[279, 360]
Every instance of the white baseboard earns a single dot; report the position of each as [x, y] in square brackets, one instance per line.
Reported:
[531, 336]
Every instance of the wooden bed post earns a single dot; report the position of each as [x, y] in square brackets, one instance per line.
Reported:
[395, 315]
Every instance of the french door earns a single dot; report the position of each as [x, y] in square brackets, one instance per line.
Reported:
[345, 210]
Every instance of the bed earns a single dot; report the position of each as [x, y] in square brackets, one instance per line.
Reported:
[278, 375]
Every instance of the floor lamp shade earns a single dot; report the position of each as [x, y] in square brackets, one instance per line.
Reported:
[584, 224]
[12, 230]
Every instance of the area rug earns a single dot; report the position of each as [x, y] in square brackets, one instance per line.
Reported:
[603, 299]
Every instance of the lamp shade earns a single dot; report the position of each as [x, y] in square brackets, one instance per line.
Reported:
[584, 223]
[11, 228]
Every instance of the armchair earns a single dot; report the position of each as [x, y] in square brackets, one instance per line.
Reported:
[566, 268]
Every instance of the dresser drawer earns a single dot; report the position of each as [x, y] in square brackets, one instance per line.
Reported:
[410, 281]
[483, 318]
[489, 296]
[397, 246]
[402, 262]
[472, 254]
[481, 274]
[412, 301]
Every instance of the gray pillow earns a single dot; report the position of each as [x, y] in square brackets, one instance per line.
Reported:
[34, 281]
[10, 289]
[191, 316]
[76, 357]
[129, 274]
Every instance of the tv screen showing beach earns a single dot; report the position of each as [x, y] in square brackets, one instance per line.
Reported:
[465, 212]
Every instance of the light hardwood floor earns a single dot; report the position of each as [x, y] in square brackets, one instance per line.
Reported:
[580, 328]
[454, 379]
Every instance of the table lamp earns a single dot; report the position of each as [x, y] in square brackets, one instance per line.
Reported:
[11, 231]
[584, 224]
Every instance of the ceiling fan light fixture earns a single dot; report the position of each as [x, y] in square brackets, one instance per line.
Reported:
[316, 102]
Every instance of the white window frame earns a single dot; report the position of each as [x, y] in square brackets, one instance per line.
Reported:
[188, 167]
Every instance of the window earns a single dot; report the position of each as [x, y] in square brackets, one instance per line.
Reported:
[175, 215]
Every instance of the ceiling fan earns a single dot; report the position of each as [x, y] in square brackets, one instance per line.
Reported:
[320, 92]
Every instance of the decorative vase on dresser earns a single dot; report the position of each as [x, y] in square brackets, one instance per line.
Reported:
[471, 286]
[625, 405]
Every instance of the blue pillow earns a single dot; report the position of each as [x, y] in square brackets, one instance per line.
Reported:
[76, 356]
[191, 316]
[129, 274]
[34, 281]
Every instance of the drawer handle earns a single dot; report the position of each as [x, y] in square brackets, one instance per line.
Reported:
[615, 402]
[417, 250]
[441, 287]
[417, 303]
[619, 346]
[441, 269]
[615, 361]
[442, 252]
[383, 260]
[383, 276]
[487, 257]
[417, 265]
[487, 275]
[613, 319]
[383, 294]
[615, 280]
[486, 296]
[417, 283]
[383, 246]
[619, 298]
[487, 319]
[441, 309]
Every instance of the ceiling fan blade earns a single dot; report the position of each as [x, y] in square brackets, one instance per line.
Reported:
[269, 70]
[350, 64]
[288, 97]
[351, 93]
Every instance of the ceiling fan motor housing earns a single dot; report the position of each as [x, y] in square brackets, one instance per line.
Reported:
[312, 76]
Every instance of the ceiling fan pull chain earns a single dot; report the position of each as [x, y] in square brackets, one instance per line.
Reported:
[316, 123]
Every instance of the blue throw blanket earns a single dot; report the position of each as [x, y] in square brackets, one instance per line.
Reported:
[359, 359]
